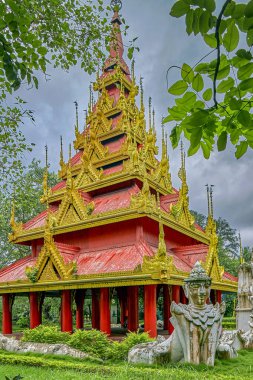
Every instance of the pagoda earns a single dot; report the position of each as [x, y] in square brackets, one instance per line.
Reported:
[114, 224]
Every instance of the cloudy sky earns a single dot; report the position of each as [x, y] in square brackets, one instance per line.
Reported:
[163, 43]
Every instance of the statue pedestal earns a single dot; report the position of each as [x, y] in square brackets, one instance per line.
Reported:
[242, 318]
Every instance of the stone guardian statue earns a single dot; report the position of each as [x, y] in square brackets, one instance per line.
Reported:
[197, 327]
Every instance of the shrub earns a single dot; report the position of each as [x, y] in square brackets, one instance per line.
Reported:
[120, 350]
[229, 323]
[45, 334]
[93, 342]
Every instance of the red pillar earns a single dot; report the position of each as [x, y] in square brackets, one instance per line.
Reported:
[183, 298]
[176, 293]
[213, 296]
[7, 301]
[35, 310]
[66, 311]
[150, 310]
[79, 299]
[133, 311]
[218, 296]
[175, 298]
[95, 313]
[105, 312]
[122, 294]
[166, 307]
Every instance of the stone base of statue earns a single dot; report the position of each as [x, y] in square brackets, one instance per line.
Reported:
[247, 336]
[242, 318]
[244, 307]
[230, 342]
[197, 328]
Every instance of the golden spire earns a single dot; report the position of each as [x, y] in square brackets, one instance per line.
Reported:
[76, 126]
[211, 199]
[182, 171]
[70, 153]
[12, 218]
[164, 145]
[86, 119]
[153, 125]
[241, 250]
[45, 178]
[90, 100]
[149, 113]
[132, 71]
[211, 225]
[141, 93]
[61, 153]
[208, 199]
[158, 201]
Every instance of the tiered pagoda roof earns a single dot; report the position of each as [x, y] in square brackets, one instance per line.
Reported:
[114, 182]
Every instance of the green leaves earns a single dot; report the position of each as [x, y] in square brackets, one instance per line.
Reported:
[207, 95]
[225, 85]
[210, 40]
[245, 71]
[222, 141]
[187, 73]
[198, 83]
[178, 88]
[249, 9]
[210, 5]
[246, 85]
[244, 118]
[231, 38]
[179, 9]
[241, 149]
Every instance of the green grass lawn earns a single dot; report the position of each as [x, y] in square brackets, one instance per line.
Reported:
[39, 367]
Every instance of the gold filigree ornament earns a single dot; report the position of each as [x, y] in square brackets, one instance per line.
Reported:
[160, 265]
[180, 211]
[105, 101]
[72, 208]
[212, 265]
[50, 265]
[17, 227]
[95, 150]
[161, 174]
[88, 173]
[144, 201]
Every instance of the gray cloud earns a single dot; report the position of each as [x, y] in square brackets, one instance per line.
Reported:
[163, 42]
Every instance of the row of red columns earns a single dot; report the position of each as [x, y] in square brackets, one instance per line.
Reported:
[101, 319]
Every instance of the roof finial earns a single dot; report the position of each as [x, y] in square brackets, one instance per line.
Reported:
[149, 112]
[132, 71]
[85, 118]
[61, 153]
[45, 178]
[211, 200]
[76, 126]
[90, 100]
[164, 146]
[241, 250]
[141, 93]
[208, 198]
[70, 153]
[166, 143]
[46, 152]
[153, 126]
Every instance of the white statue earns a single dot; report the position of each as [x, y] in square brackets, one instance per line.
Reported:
[244, 307]
[197, 327]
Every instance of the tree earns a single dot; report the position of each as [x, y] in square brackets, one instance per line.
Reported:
[228, 243]
[34, 34]
[213, 99]
[28, 190]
